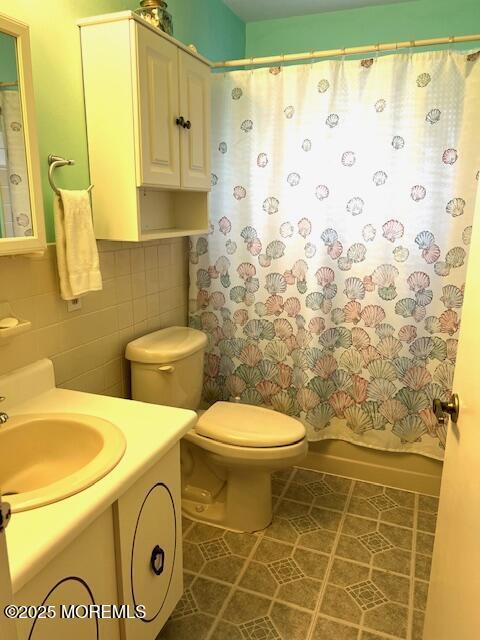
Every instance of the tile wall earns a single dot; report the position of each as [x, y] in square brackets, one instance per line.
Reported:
[145, 289]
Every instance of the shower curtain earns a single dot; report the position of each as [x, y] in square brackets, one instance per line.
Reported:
[331, 283]
[14, 175]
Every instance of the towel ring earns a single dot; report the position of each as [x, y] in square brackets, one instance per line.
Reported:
[54, 163]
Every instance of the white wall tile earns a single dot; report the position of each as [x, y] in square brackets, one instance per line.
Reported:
[144, 290]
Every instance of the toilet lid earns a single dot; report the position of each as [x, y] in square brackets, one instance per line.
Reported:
[246, 426]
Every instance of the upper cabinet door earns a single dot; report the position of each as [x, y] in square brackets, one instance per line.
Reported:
[158, 133]
[195, 100]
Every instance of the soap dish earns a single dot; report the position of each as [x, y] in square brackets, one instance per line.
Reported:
[13, 326]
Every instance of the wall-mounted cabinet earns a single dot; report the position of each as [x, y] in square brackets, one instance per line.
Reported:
[147, 101]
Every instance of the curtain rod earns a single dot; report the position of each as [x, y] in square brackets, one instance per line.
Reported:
[329, 53]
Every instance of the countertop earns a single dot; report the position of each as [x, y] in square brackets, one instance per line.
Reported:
[35, 537]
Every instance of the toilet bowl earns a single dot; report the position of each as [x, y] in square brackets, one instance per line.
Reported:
[229, 456]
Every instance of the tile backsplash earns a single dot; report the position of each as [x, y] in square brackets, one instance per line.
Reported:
[144, 289]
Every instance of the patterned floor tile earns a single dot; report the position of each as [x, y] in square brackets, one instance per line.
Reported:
[195, 614]
[303, 593]
[291, 623]
[358, 592]
[337, 603]
[366, 595]
[377, 502]
[428, 503]
[389, 618]
[281, 623]
[215, 552]
[367, 635]
[326, 629]
[418, 624]
[245, 607]
[425, 543]
[426, 521]
[335, 564]
[423, 566]
[323, 490]
[195, 626]
[420, 595]
[383, 545]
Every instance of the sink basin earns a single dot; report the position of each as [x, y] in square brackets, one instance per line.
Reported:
[48, 457]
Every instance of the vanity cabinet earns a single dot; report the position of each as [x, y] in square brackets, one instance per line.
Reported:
[82, 574]
[129, 556]
[148, 112]
[149, 547]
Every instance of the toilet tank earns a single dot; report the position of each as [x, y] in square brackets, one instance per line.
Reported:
[167, 367]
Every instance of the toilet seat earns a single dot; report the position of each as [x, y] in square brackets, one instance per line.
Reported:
[243, 425]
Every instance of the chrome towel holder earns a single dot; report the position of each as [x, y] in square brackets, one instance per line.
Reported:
[54, 163]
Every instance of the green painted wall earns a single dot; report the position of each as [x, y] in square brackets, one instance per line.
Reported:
[368, 25]
[8, 59]
[214, 29]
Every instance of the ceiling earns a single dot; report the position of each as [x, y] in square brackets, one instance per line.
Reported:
[253, 10]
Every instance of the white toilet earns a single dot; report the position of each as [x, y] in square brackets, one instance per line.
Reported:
[229, 457]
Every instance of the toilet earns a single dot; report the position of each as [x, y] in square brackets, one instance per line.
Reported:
[229, 456]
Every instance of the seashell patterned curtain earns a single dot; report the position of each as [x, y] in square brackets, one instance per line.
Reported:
[331, 283]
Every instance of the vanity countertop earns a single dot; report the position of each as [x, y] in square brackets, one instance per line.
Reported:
[35, 537]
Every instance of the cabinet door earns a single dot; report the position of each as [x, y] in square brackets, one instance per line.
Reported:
[157, 131]
[82, 575]
[149, 547]
[195, 106]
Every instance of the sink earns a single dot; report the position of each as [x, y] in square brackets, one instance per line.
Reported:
[49, 457]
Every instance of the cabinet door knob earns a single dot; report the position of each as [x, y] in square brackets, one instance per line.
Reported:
[180, 121]
[188, 125]
[157, 560]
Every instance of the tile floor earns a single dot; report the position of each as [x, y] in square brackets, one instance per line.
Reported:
[342, 560]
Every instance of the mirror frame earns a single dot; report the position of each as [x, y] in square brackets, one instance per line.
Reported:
[36, 242]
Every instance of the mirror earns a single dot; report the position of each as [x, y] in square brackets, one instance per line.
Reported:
[15, 211]
[21, 215]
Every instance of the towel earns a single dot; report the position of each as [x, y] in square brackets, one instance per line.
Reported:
[77, 254]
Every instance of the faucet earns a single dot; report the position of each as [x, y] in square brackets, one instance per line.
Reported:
[3, 415]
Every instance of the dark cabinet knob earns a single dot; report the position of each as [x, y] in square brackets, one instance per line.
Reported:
[188, 125]
[180, 121]
[157, 560]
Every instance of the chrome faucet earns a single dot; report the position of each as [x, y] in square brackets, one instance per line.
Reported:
[3, 415]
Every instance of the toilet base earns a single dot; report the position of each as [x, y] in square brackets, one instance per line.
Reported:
[222, 487]
[249, 493]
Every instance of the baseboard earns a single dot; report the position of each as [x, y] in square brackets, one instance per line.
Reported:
[406, 471]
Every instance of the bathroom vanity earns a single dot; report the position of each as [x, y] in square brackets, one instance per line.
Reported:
[118, 542]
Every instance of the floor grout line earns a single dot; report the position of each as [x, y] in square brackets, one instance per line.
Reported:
[330, 563]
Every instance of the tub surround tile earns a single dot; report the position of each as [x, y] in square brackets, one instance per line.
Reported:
[339, 569]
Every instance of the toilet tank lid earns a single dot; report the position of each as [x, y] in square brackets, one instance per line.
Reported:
[166, 345]
[245, 425]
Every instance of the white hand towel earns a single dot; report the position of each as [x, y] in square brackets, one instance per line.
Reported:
[77, 254]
